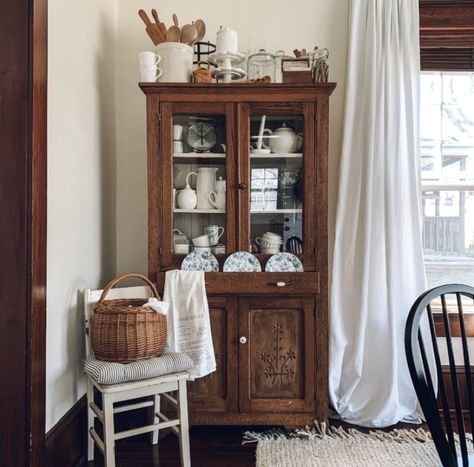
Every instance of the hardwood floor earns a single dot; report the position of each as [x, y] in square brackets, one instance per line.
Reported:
[210, 447]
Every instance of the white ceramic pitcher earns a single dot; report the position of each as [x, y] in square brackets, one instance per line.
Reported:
[217, 198]
[205, 183]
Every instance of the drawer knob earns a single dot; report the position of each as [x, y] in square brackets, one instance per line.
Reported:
[242, 186]
[243, 340]
[280, 283]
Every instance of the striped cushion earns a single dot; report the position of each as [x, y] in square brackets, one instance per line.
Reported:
[113, 373]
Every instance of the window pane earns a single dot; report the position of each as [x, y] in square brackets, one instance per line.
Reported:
[447, 162]
[448, 236]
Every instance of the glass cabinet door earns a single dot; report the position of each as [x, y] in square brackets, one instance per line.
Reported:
[199, 154]
[279, 159]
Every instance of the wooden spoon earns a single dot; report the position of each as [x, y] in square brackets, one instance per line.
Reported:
[188, 34]
[173, 34]
[201, 29]
[174, 31]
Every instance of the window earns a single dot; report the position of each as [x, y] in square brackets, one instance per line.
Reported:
[447, 168]
[447, 139]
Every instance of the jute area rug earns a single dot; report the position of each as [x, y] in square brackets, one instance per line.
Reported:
[338, 447]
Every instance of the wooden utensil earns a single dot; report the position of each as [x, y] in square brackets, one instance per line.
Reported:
[200, 28]
[173, 34]
[188, 34]
[151, 29]
[161, 25]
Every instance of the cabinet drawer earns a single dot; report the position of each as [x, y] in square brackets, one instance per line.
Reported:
[275, 283]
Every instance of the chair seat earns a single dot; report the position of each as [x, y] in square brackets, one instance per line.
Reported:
[113, 373]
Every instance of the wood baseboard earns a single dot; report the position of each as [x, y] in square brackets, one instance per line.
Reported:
[66, 442]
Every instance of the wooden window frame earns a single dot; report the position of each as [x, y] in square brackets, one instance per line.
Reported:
[447, 35]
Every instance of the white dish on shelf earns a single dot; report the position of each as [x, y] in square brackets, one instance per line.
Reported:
[284, 262]
[199, 260]
[228, 74]
[260, 151]
[242, 261]
[218, 58]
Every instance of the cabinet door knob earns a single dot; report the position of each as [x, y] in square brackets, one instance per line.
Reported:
[242, 186]
[243, 340]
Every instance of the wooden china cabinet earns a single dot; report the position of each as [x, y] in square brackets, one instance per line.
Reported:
[270, 329]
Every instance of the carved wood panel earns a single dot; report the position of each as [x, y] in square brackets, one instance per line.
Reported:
[277, 361]
[217, 391]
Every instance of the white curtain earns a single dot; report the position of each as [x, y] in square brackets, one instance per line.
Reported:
[378, 261]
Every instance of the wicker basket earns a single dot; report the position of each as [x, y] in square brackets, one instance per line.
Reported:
[125, 331]
[202, 74]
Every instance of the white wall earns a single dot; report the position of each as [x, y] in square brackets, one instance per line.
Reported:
[275, 24]
[81, 182]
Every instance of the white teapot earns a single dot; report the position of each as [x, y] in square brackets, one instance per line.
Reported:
[284, 140]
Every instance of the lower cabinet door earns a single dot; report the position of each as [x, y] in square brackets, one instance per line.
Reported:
[276, 354]
[217, 392]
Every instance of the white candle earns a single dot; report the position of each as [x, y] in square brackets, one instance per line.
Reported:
[260, 132]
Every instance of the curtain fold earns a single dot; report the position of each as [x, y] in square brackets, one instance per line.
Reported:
[378, 269]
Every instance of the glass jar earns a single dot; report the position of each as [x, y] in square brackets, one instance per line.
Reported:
[260, 65]
[320, 65]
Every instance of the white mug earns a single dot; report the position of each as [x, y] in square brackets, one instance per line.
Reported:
[178, 146]
[217, 199]
[150, 73]
[177, 132]
[214, 232]
[202, 241]
[148, 59]
[176, 62]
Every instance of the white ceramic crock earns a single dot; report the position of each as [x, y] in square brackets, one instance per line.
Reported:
[176, 62]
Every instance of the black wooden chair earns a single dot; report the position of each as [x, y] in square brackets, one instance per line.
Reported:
[444, 309]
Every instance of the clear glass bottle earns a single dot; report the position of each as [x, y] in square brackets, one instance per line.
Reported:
[260, 65]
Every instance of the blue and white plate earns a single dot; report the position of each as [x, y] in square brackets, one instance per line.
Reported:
[284, 262]
[242, 261]
[199, 260]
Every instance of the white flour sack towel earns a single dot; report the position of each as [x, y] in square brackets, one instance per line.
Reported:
[189, 327]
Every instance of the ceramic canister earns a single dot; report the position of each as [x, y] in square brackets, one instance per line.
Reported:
[176, 62]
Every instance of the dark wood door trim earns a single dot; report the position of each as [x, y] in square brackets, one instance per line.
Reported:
[23, 90]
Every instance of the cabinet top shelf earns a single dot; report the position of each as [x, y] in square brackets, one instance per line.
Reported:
[268, 90]
[277, 211]
[293, 155]
[199, 155]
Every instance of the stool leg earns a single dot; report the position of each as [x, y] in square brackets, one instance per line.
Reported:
[155, 408]
[90, 421]
[183, 424]
[109, 441]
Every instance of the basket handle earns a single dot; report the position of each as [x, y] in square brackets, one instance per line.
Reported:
[124, 276]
